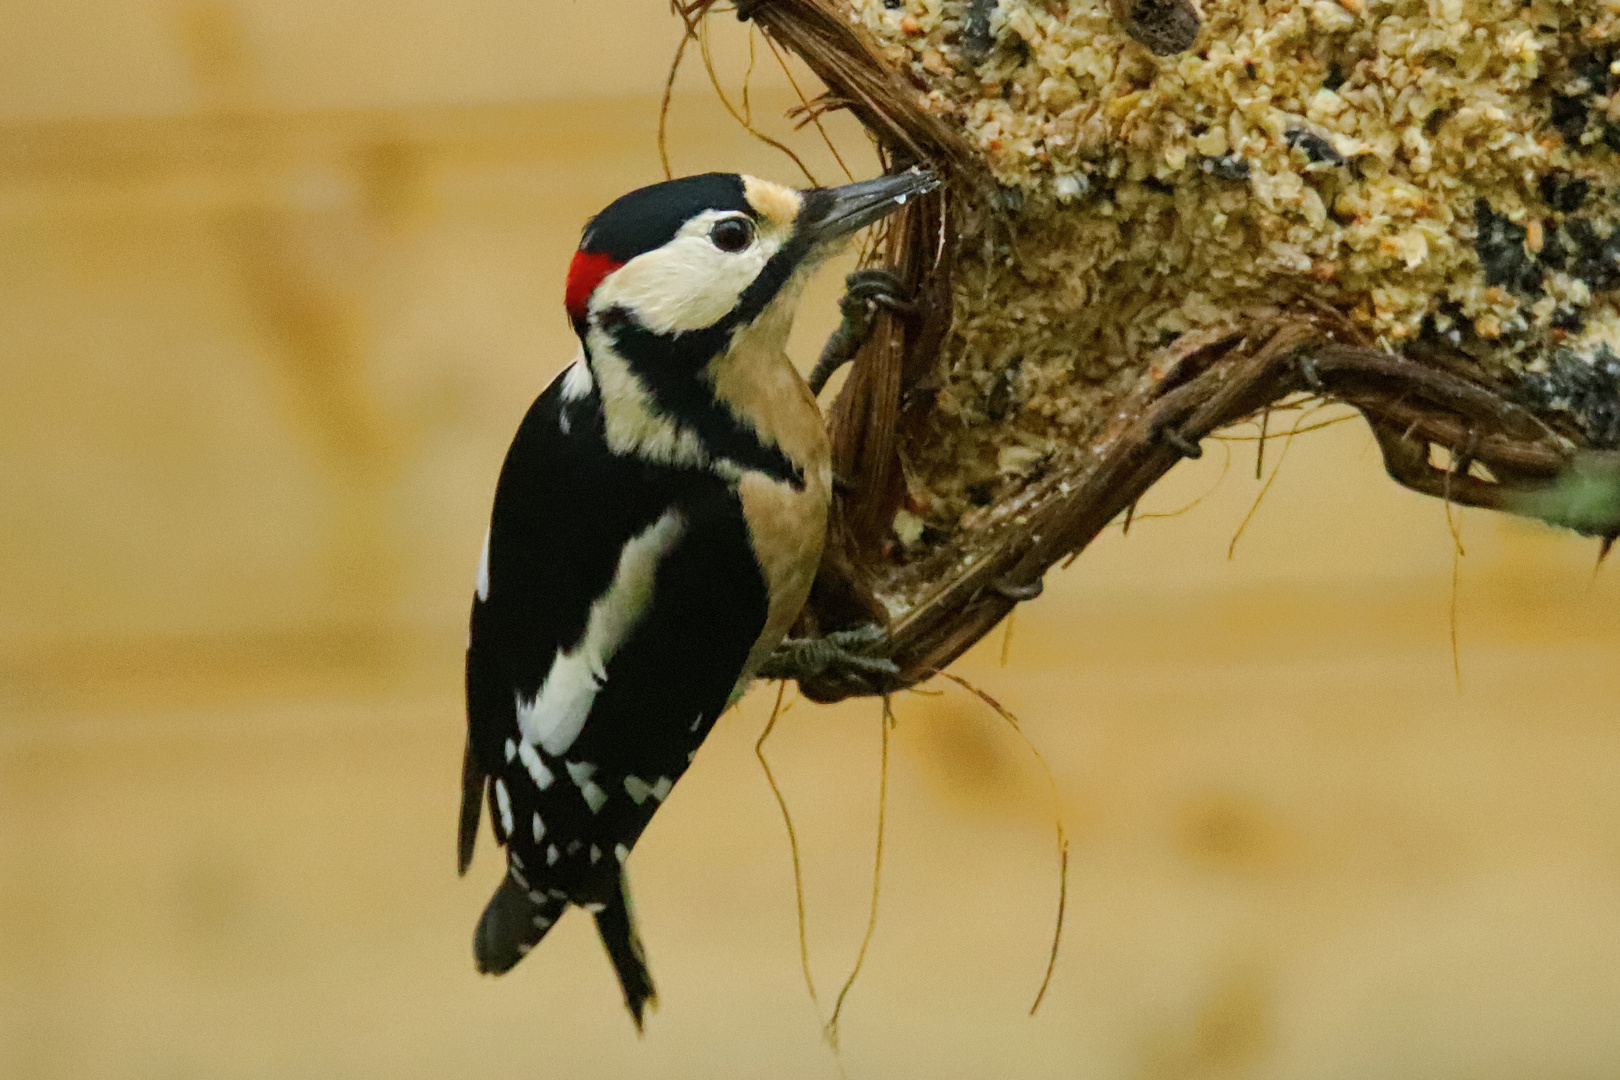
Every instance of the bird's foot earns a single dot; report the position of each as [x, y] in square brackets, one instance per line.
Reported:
[858, 655]
[866, 292]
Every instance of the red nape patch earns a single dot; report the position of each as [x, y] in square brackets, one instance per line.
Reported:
[585, 273]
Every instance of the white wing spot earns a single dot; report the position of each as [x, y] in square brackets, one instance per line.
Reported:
[697, 723]
[594, 907]
[637, 788]
[483, 570]
[596, 854]
[595, 797]
[524, 947]
[537, 897]
[538, 772]
[504, 802]
[621, 853]
[541, 922]
[511, 749]
[580, 772]
[554, 717]
[574, 846]
[552, 854]
[539, 828]
[660, 790]
[516, 874]
[562, 420]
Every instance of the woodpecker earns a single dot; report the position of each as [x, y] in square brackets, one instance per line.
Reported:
[656, 526]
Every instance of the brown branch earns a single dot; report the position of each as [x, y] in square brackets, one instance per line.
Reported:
[1410, 406]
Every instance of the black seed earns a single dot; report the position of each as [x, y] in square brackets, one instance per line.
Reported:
[1335, 77]
[1004, 397]
[1564, 192]
[1588, 391]
[1250, 70]
[1593, 70]
[982, 493]
[1611, 136]
[1567, 319]
[1569, 116]
[976, 37]
[1153, 183]
[1596, 260]
[1230, 167]
[1315, 147]
[1008, 199]
[1553, 252]
[894, 5]
[1500, 243]
[1164, 26]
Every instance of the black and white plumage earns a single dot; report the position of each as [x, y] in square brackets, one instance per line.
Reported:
[656, 527]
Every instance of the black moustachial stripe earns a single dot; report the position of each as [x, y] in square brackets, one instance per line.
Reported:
[763, 289]
[670, 367]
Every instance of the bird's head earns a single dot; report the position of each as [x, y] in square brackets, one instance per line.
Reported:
[687, 262]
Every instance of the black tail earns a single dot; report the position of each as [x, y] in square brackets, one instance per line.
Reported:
[512, 924]
[617, 925]
[472, 792]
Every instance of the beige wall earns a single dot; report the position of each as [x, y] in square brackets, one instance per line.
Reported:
[69, 58]
[276, 282]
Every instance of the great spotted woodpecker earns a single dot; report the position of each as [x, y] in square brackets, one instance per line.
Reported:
[656, 526]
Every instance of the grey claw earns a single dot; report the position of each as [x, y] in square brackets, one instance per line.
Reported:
[1029, 590]
[1185, 446]
[1313, 378]
[846, 652]
[863, 637]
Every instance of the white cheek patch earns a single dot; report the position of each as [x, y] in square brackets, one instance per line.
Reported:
[688, 284]
[555, 716]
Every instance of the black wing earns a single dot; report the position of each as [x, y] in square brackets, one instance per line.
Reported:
[565, 509]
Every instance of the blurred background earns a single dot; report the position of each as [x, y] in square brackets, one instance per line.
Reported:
[277, 281]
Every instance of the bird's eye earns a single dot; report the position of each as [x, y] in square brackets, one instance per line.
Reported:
[732, 234]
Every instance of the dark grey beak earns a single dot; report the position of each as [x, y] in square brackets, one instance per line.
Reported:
[833, 213]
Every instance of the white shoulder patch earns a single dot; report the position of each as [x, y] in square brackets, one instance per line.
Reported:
[577, 381]
[555, 716]
[483, 570]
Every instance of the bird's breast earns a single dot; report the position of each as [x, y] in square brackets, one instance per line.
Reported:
[787, 522]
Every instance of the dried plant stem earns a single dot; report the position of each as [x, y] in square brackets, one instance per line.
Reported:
[1454, 527]
[1260, 497]
[793, 847]
[745, 119]
[1057, 822]
[813, 114]
[886, 721]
